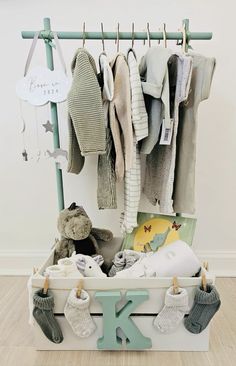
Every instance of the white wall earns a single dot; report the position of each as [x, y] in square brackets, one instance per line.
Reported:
[28, 201]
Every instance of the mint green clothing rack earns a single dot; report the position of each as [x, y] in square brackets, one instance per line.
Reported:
[47, 35]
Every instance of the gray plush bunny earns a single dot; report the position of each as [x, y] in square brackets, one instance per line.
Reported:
[77, 233]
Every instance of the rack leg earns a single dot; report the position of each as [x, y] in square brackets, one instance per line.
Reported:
[54, 117]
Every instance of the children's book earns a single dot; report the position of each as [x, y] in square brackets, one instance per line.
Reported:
[156, 230]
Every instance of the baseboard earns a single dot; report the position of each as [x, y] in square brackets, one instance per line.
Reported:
[14, 263]
[221, 263]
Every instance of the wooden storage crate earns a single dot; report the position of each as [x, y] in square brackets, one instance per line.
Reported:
[179, 340]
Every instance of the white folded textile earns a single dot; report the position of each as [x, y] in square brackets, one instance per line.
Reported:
[175, 259]
[55, 271]
[69, 267]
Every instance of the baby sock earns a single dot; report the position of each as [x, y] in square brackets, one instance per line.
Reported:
[206, 304]
[78, 315]
[123, 260]
[43, 314]
[173, 312]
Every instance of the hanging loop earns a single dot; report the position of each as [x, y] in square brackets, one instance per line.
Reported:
[183, 42]
[132, 44]
[84, 35]
[118, 38]
[103, 42]
[164, 35]
[148, 35]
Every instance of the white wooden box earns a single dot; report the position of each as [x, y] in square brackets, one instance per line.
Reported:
[179, 340]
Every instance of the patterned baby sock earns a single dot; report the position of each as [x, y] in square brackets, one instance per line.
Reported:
[206, 304]
[77, 314]
[43, 313]
[118, 264]
[123, 260]
[173, 312]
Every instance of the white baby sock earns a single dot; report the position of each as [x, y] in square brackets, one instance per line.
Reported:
[69, 267]
[173, 312]
[78, 315]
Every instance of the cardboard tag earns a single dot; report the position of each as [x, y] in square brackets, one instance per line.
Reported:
[166, 133]
[42, 85]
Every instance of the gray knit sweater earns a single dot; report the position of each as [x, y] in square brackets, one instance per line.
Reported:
[87, 133]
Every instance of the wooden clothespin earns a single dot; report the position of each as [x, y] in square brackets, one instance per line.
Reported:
[46, 285]
[206, 265]
[79, 288]
[35, 270]
[175, 286]
[204, 280]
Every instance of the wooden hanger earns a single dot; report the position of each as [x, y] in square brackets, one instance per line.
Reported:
[103, 42]
[175, 286]
[79, 288]
[184, 48]
[84, 35]
[164, 35]
[46, 285]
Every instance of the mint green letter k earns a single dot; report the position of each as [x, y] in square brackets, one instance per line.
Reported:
[113, 320]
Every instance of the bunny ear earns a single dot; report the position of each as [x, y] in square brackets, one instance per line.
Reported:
[99, 259]
[81, 263]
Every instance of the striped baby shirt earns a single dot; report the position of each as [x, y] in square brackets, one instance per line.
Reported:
[132, 188]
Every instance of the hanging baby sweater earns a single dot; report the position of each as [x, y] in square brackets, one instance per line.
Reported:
[120, 116]
[86, 116]
[106, 187]
[160, 164]
[154, 74]
[184, 184]
[132, 189]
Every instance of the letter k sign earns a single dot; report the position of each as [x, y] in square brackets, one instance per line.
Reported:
[121, 319]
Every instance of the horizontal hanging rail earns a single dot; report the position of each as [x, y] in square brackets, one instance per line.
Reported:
[122, 35]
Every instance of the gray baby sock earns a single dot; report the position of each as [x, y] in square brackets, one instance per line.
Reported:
[206, 304]
[123, 260]
[78, 315]
[43, 314]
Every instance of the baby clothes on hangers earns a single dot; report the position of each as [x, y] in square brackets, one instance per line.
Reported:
[184, 184]
[154, 74]
[120, 116]
[106, 185]
[86, 116]
[132, 189]
[160, 165]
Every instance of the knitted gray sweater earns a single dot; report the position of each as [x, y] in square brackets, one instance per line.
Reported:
[86, 116]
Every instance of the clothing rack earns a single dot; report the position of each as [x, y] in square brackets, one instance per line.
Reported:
[47, 35]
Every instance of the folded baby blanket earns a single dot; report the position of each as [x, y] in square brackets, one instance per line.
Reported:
[175, 259]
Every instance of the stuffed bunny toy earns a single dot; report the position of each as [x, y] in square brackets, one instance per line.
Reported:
[89, 266]
[78, 234]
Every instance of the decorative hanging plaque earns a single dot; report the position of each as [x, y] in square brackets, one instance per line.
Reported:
[42, 85]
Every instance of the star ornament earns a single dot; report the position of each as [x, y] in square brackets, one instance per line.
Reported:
[48, 127]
